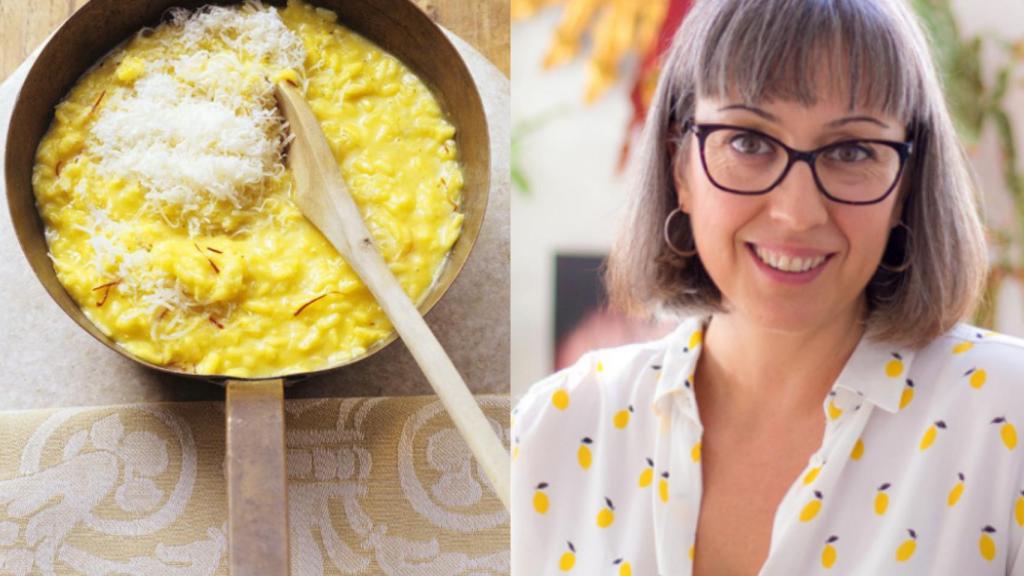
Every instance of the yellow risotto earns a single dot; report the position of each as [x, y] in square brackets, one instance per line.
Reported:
[167, 204]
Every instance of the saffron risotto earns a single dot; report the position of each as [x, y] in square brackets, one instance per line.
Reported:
[166, 201]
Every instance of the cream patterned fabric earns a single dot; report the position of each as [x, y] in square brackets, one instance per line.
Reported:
[376, 486]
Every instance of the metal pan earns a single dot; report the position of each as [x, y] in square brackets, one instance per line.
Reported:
[257, 496]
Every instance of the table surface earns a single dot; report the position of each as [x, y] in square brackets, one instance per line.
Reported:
[484, 24]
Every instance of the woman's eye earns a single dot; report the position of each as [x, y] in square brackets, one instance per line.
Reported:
[850, 153]
[747, 143]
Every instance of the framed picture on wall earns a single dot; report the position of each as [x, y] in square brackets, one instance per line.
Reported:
[583, 319]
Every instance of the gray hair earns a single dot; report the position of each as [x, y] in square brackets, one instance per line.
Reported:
[770, 49]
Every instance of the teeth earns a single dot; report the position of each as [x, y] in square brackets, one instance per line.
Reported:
[785, 263]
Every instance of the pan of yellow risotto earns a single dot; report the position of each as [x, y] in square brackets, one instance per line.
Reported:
[148, 187]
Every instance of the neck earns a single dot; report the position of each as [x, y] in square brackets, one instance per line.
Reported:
[748, 366]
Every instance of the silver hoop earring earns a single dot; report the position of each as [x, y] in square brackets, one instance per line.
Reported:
[903, 266]
[668, 237]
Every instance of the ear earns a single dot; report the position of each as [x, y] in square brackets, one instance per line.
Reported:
[897, 211]
[902, 192]
[679, 180]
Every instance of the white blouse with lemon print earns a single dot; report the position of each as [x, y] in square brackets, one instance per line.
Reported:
[919, 471]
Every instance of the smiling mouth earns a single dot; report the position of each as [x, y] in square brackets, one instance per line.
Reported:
[786, 263]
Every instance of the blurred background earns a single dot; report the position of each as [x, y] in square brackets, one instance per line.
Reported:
[582, 74]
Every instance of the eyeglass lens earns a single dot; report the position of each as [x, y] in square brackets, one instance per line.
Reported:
[747, 162]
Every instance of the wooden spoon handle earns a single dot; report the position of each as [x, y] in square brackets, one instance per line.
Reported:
[469, 419]
[463, 409]
[324, 199]
[257, 481]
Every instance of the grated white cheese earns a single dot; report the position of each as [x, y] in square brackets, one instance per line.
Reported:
[104, 238]
[201, 133]
[251, 28]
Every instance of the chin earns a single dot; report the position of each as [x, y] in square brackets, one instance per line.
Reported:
[785, 317]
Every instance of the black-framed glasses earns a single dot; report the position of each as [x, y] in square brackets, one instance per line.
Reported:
[745, 161]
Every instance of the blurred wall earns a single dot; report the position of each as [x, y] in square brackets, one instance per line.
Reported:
[575, 188]
[1004, 20]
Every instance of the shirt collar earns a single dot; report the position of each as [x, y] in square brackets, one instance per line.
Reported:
[876, 371]
[679, 363]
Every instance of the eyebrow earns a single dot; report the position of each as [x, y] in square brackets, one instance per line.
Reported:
[833, 124]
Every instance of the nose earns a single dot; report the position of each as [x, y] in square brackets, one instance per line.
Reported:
[796, 202]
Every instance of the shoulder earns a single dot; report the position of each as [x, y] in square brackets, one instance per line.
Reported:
[623, 376]
[583, 440]
[976, 367]
[983, 353]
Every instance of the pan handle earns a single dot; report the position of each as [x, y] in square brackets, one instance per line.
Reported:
[257, 480]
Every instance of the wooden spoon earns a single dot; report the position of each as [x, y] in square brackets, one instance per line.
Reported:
[324, 199]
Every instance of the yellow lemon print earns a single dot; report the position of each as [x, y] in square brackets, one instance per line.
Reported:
[907, 547]
[657, 368]
[541, 503]
[956, 492]
[834, 412]
[1007, 432]
[1018, 509]
[811, 475]
[647, 476]
[962, 347]
[693, 551]
[930, 434]
[828, 554]
[583, 455]
[695, 452]
[568, 559]
[607, 514]
[515, 453]
[811, 509]
[1009, 435]
[882, 499]
[858, 450]
[894, 367]
[560, 399]
[621, 419]
[908, 394]
[695, 339]
[600, 366]
[986, 545]
[663, 487]
[624, 568]
[977, 379]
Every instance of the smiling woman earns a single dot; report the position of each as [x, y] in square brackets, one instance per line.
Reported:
[802, 204]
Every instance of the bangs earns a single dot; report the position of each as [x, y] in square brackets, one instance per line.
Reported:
[798, 50]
